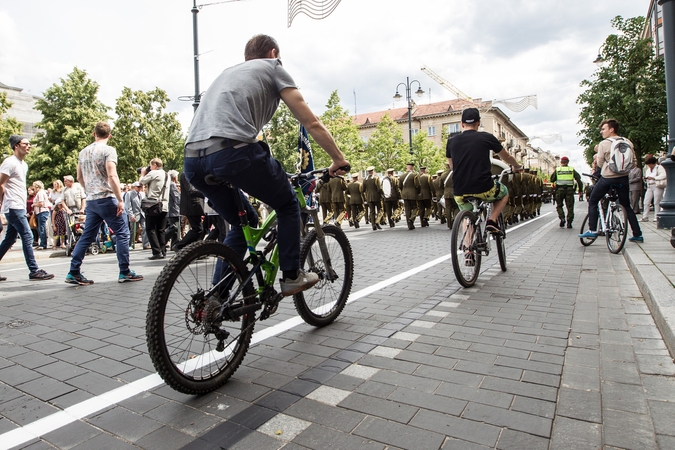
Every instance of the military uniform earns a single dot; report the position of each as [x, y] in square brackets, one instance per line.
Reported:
[323, 189]
[391, 201]
[424, 199]
[409, 183]
[338, 188]
[372, 191]
[355, 193]
[437, 185]
[451, 207]
[564, 178]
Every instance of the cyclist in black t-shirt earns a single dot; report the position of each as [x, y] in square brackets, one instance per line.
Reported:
[469, 158]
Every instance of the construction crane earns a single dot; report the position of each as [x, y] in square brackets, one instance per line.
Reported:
[445, 83]
[517, 106]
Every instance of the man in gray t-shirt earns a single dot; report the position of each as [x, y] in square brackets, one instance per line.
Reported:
[223, 144]
[97, 173]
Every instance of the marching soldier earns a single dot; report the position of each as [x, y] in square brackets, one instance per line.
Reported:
[338, 188]
[323, 189]
[564, 177]
[355, 193]
[372, 190]
[424, 200]
[409, 183]
[451, 208]
[437, 184]
[391, 196]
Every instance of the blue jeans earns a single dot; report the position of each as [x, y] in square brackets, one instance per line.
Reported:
[253, 170]
[98, 211]
[622, 188]
[42, 227]
[17, 226]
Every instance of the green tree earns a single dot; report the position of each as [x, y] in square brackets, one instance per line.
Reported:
[144, 130]
[629, 88]
[281, 133]
[385, 148]
[345, 132]
[425, 153]
[8, 125]
[70, 110]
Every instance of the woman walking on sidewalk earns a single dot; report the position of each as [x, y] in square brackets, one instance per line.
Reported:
[655, 176]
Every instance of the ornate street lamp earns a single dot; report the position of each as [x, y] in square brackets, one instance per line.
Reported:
[398, 97]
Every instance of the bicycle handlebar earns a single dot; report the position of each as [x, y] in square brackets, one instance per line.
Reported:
[324, 173]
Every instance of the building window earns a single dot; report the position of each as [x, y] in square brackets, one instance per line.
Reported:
[452, 128]
[415, 131]
[431, 131]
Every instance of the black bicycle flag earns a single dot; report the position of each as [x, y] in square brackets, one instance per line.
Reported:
[306, 160]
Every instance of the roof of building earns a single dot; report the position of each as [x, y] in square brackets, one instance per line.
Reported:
[431, 109]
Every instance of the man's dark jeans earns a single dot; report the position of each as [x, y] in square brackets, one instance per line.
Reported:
[253, 170]
[622, 188]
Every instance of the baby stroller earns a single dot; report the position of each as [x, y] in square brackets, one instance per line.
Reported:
[74, 230]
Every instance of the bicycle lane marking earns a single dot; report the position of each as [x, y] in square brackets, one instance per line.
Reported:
[88, 407]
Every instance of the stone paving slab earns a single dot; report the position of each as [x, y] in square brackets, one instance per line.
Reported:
[558, 352]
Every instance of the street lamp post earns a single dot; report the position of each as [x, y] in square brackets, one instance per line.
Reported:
[398, 97]
[195, 35]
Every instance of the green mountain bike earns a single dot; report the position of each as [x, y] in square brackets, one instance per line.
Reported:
[207, 299]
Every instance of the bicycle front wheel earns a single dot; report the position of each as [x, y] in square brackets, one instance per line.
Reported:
[584, 228]
[617, 231]
[499, 240]
[465, 254]
[323, 303]
[183, 318]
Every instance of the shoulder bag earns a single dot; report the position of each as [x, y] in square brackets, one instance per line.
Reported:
[153, 206]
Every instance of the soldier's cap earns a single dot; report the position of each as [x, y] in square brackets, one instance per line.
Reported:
[370, 168]
[564, 158]
[438, 172]
[15, 139]
[411, 164]
[356, 175]
[390, 170]
[423, 168]
[470, 115]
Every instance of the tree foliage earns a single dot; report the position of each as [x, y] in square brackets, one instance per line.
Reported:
[8, 125]
[281, 133]
[385, 148]
[144, 130]
[425, 153]
[629, 88]
[70, 110]
[345, 132]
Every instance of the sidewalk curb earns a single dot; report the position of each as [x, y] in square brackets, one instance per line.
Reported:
[657, 291]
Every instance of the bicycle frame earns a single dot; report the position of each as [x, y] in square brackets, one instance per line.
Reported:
[266, 268]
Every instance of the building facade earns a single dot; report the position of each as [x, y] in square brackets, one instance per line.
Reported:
[654, 27]
[23, 109]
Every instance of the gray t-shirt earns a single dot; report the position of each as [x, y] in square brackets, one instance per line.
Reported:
[240, 101]
[92, 162]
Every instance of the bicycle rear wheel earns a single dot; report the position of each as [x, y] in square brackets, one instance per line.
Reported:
[323, 303]
[616, 232]
[465, 254]
[499, 240]
[584, 228]
[182, 318]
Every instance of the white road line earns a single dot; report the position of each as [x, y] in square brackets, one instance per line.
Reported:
[81, 410]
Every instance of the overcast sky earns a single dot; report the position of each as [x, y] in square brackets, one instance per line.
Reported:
[492, 49]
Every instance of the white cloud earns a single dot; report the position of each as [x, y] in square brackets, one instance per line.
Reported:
[490, 49]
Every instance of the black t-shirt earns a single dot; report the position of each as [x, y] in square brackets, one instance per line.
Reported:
[471, 165]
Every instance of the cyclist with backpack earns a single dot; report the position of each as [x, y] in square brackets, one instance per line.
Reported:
[617, 158]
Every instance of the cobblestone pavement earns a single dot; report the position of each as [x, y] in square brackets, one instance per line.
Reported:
[558, 352]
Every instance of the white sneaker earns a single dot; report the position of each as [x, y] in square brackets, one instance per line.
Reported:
[644, 219]
[304, 281]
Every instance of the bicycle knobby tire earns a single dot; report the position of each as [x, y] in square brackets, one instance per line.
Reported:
[465, 255]
[323, 303]
[181, 348]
